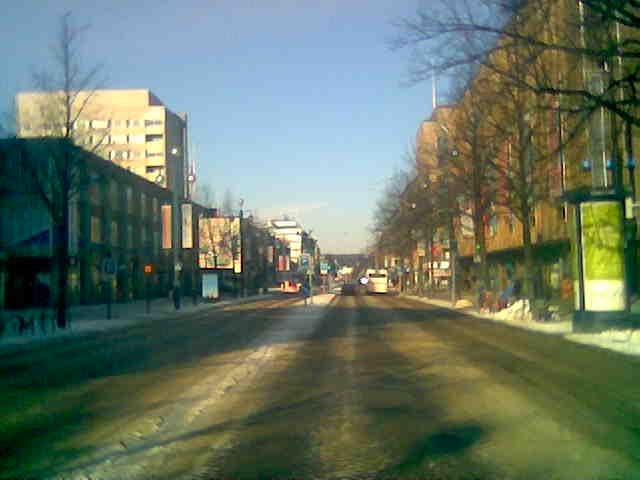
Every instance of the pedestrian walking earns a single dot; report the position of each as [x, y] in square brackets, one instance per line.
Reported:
[306, 291]
[176, 295]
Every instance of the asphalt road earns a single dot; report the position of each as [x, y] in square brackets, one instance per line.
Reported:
[365, 387]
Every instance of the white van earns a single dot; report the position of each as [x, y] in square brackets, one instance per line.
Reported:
[378, 281]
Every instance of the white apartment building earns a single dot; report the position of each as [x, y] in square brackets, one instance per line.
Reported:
[132, 128]
[290, 232]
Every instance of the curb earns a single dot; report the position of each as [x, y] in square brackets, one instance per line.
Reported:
[16, 344]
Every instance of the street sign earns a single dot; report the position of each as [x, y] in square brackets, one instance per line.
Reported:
[108, 267]
[304, 261]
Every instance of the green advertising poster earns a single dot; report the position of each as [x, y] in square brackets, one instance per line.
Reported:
[603, 255]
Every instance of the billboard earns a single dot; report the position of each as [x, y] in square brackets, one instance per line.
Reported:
[166, 226]
[220, 243]
[187, 225]
[602, 256]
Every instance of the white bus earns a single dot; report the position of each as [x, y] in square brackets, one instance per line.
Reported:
[377, 281]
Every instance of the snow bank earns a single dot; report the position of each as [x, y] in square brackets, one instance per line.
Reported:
[519, 315]
[624, 341]
[319, 300]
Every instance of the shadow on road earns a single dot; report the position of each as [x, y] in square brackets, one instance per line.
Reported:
[344, 404]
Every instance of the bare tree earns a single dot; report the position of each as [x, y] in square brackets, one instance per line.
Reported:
[601, 33]
[8, 122]
[524, 167]
[466, 153]
[229, 204]
[206, 195]
[64, 96]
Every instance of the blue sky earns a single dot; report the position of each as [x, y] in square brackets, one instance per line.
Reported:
[296, 106]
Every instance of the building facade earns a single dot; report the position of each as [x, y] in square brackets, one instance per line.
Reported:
[131, 128]
[113, 213]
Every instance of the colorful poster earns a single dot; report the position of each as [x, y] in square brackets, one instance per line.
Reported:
[220, 243]
[166, 226]
[603, 256]
[187, 225]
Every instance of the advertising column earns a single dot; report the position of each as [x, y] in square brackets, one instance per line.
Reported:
[597, 254]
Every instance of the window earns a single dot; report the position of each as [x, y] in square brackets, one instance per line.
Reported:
[129, 199]
[154, 154]
[114, 233]
[111, 154]
[113, 195]
[119, 139]
[153, 169]
[564, 213]
[143, 205]
[156, 241]
[96, 230]
[99, 123]
[134, 123]
[150, 123]
[137, 139]
[119, 155]
[118, 123]
[153, 137]
[129, 235]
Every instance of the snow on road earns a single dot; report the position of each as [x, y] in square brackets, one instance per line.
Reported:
[145, 448]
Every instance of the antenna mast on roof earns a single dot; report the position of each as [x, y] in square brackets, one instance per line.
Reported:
[434, 93]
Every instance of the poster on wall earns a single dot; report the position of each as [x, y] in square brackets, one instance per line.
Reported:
[602, 256]
[220, 243]
[210, 287]
[187, 226]
[166, 226]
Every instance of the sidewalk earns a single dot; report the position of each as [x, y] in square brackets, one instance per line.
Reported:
[623, 341]
[86, 319]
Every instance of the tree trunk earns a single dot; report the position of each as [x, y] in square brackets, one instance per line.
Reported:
[61, 248]
[527, 285]
[430, 263]
[481, 249]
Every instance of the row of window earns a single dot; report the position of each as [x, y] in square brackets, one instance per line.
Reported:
[131, 154]
[113, 200]
[96, 125]
[101, 124]
[128, 242]
[120, 139]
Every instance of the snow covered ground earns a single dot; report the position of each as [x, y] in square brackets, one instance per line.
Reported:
[624, 341]
[89, 319]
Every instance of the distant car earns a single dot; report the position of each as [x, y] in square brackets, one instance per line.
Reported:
[348, 289]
